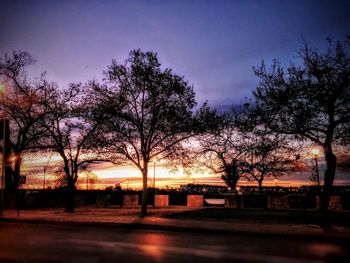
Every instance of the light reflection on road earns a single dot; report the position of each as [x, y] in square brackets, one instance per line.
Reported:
[322, 250]
[64, 243]
[159, 253]
[153, 248]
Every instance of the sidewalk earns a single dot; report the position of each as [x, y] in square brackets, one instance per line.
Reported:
[129, 218]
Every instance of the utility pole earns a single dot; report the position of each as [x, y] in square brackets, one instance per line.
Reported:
[317, 173]
[154, 176]
[44, 178]
[154, 183]
[87, 181]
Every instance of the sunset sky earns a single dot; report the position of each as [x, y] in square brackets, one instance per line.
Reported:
[214, 44]
[35, 167]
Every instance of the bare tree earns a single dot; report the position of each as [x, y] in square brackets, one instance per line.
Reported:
[89, 179]
[69, 133]
[343, 160]
[147, 112]
[311, 101]
[267, 154]
[21, 99]
[221, 150]
[86, 179]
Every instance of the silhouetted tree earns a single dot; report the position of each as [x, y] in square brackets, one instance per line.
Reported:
[21, 99]
[310, 101]
[147, 112]
[343, 160]
[221, 150]
[266, 154]
[86, 179]
[69, 133]
[89, 181]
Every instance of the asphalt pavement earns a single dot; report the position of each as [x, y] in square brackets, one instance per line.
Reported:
[32, 242]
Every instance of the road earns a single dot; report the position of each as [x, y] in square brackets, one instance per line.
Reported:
[24, 242]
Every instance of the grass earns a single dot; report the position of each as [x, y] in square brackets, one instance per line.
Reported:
[263, 216]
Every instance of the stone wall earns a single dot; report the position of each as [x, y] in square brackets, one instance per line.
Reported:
[334, 203]
[277, 202]
[131, 200]
[161, 200]
[231, 201]
[102, 200]
[79, 200]
[195, 200]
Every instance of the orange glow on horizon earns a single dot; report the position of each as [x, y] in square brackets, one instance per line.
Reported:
[41, 173]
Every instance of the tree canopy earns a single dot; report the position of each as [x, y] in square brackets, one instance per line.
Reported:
[146, 112]
[310, 101]
[70, 132]
[21, 100]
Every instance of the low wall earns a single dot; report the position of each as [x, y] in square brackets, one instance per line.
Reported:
[231, 201]
[302, 201]
[131, 200]
[79, 200]
[50, 198]
[277, 202]
[255, 201]
[195, 200]
[335, 203]
[102, 200]
[161, 200]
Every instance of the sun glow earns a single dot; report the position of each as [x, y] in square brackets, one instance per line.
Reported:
[41, 172]
[131, 177]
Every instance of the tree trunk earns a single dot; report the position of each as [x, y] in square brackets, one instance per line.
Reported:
[144, 191]
[12, 174]
[70, 194]
[329, 175]
[10, 184]
[10, 188]
[260, 187]
[17, 171]
[238, 201]
[16, 175]
[262, 194]
[233, 186]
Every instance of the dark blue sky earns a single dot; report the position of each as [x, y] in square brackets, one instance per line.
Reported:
[214, 44]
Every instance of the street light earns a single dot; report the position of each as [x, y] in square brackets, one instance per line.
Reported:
[315, 152]
[2, 88]
[44, 183]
